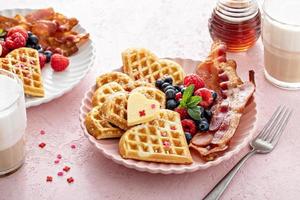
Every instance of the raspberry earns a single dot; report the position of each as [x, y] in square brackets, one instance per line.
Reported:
[42, 59]
[189, 125]
[14, 41]
[182, 112]
[178, 96]
[18, 29]
[5, 50]
[195, 80]
[206, 95]
[59, 62]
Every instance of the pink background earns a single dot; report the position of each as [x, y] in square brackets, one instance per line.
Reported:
[170, 29]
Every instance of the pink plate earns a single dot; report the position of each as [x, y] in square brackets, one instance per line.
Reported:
[109, 147]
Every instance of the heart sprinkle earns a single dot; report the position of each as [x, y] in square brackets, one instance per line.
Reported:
[70, 180]
[42, 145]
[42, 132]
[59, 156]
[66, 168]
[49, 179]
[166, 143]
[142, 113]
[60, 174]
[153, 106]
[73, 146]
[56, 161]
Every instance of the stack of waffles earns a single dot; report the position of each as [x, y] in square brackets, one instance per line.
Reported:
[159, 138]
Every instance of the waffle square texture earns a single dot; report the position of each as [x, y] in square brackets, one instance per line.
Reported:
[159, 140]
[24, 62]
[141, 64]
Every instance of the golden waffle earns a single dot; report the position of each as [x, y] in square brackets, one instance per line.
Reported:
[101, 94]
[118, 77]
[141, 64]
[114, 109]
[135, 84]
[25, 63]
[100, 128]
[152, 93]
[160, 140]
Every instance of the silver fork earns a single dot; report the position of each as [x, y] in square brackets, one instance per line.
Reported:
[264, 143]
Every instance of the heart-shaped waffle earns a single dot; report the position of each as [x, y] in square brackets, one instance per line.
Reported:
[159, 140]
[103, 92]
[99, 127]
[141, 64]
[140, 109]
[24, 62]
[118, 77]
[114, 108]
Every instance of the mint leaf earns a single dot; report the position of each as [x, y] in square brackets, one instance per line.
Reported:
[193, 101]
[195, 112]
[188, 92]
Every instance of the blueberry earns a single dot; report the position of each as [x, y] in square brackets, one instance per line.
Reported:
[214, 95]
[188, 137]
[169, 80]
[48, 55]
[207, 114]
[177, 88]
[169, 87]
[158, 83]
[38, 47]
[29, 33]
[165, 85]
[183, 89]
[33, 40]
[170, 94]
[171, 104]
[203, 125]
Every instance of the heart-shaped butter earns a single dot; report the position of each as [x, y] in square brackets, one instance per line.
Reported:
[140, 109]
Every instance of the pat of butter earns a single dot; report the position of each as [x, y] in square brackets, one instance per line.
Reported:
[140, 109]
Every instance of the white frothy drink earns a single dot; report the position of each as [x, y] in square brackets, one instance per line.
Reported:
[12, 124]
[281, 38]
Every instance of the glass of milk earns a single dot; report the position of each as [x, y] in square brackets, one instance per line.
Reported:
[12, 122]
[281, 39]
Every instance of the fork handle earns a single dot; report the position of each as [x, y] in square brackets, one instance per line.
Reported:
[218, 190]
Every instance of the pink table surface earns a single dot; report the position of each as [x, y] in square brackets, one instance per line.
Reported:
[171, 29]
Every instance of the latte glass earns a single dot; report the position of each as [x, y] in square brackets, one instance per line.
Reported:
[12, 122]
[281, 39]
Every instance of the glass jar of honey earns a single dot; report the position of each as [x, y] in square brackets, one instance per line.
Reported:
[236, 23]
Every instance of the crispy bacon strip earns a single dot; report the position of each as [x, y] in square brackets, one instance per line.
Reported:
[234, 95]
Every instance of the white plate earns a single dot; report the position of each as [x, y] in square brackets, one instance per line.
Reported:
[110, 150]
[58, 83]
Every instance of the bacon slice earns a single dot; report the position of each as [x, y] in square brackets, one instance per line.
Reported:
[233, 97]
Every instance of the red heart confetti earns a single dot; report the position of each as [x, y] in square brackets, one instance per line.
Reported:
[56, 161]
[73, 146]
[70, 180]
[66, 168]
[142, 113]
[58, 156]
[60, 174]
[49, 179]
[42, 145]
[42, 132]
